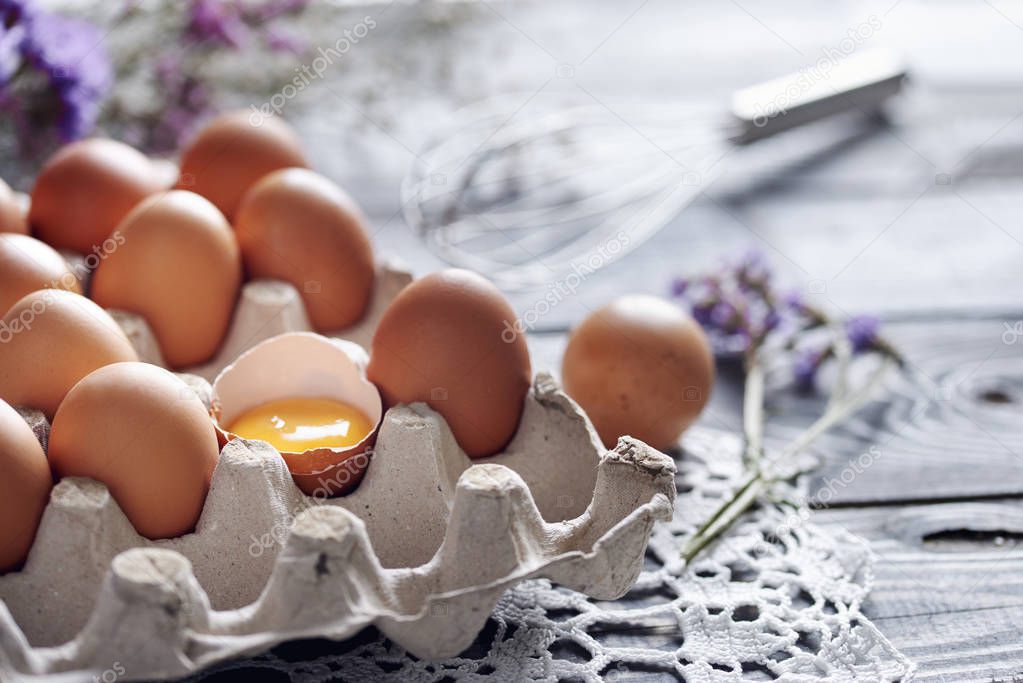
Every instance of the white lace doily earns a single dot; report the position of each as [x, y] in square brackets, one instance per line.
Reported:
[777, 598]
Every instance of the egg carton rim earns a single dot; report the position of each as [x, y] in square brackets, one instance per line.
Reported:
[237, 641]
[579, 568]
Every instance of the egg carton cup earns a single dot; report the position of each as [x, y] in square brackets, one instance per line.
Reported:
[265, 309]
[422, 549]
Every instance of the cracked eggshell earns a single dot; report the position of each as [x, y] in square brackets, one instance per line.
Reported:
[303, 364]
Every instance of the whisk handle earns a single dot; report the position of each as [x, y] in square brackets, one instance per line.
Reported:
[859, 82]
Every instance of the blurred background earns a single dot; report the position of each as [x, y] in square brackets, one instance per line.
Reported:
[871, 216]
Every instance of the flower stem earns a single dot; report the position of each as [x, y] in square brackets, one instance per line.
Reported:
[842, 350]
[753, 411]
[753, 486]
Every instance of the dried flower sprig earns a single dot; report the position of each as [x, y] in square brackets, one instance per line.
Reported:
[742, 312]
[181, 83]
[54, 74]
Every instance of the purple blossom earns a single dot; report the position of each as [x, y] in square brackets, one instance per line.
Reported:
[808, 362]
[191, 101]
[702, 313]
[739, 308]
[725, 316]
[862, 332]
[752, 271]
[794, 301]
[68, 52]
[71, 53]
[280, 41]
[734, 305]
[17, 11]
[216, 21]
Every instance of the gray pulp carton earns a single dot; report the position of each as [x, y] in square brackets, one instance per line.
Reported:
[422, 549]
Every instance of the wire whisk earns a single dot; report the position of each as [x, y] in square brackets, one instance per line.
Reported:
[527, 194]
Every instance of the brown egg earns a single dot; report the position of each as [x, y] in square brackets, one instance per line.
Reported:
[26, 265]
[12, 213]
[51, 339]
[297, 226]
[24, 487]
[179, 267]
[145, 434]
[448, 340]
[639, 366]
[84, 191]
[234, 151]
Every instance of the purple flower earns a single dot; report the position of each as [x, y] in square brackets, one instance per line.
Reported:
[752, 271]
[735, 304]
[70, 55]
[862, 332]
[724, 316]
[794, 301]
[702, 313]
[739, 308]
[216, 21]
[17, 11]
[808, 362]
[279, 41]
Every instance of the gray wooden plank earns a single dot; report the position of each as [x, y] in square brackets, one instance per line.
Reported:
[965, 647]
[948, 430]
[948, 586]
[951, 432]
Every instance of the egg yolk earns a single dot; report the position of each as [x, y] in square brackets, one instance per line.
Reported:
[295, 425]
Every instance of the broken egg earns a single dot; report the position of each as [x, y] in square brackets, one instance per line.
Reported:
[308, 397]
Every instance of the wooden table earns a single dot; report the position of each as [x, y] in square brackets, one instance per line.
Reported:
[916, 219]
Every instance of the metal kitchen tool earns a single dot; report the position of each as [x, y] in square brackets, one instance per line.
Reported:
[525, 198]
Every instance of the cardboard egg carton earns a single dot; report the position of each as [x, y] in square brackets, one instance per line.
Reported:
[267, 308]
[422, 549]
